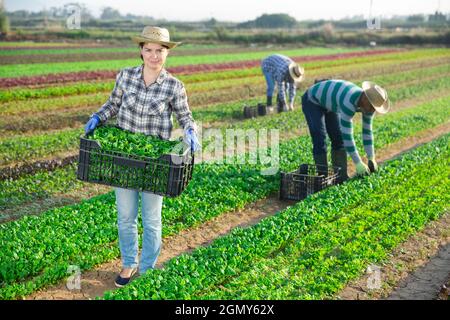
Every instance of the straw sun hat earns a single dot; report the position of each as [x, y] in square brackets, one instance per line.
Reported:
[156, 35]
[297, 72]
[377, 96]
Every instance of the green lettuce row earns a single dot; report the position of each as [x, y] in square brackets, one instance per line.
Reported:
[256, 85]
[92, 87]
[232, 111]
[32, 147]
[17, 70]
[319, 263]
[65, 51]
[381, 79]
[41, 185]
[55, 91]
[399, 124]
[41, 104]
[77, 50]
[330, 66]
[321, 230]
[77, 234]
[406, 122]
[37, 146]
[51, 104]
[14, 123]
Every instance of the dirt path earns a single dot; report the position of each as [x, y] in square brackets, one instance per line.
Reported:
[432, 257]
[415, 270]
[95, 282]
[425, 283]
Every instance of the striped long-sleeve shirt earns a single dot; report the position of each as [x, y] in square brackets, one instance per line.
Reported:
[342, 97]
[278, 66]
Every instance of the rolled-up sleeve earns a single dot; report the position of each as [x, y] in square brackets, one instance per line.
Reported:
[112, 105]
[180, 108]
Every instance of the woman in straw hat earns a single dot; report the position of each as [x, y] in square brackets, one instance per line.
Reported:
[329, 107]
[287, 74]
[143, 100]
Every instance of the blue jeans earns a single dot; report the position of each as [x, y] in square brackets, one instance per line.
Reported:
[320, 122]
[270, 83]
[127, 202]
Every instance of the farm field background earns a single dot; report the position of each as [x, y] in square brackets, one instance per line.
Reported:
[312, 249]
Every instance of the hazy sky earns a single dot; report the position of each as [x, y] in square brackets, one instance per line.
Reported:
[241, 10]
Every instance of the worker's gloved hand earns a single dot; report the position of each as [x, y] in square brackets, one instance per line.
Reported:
[373, 166]
[362, 169]
[91, 124]
[191, 139]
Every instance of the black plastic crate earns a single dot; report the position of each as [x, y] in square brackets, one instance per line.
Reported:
[262, 109]
[250, 112]
[308, 179]
[168, 175]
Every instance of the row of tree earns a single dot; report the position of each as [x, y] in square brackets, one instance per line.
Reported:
[265, 21]
[111, 17]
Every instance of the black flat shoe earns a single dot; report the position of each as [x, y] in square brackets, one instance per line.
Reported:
[120, 282]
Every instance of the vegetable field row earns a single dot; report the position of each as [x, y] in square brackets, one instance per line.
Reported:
[33, 147]
[311, 250]
[17, 70]
[63, 236]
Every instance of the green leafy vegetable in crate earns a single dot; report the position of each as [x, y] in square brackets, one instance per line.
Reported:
[116, 139]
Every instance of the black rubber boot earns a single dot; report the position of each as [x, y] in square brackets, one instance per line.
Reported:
[321, 159]
[269, 101]
[339, 159]
[279, 106]
[322, 170]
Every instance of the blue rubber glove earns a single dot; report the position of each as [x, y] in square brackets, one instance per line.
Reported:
[362, 169]
[192, 140]
[91, 124]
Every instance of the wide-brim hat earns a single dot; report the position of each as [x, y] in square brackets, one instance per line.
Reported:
[156, 35]
[377, 96]
[296, 72]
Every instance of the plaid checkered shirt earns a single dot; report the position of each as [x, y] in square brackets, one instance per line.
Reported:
[147, 109]
[278, 66]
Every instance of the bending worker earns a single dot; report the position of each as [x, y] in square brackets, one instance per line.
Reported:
[329, 107]
[287, 74]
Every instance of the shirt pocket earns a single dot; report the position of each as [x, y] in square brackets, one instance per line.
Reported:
[129, 99]
[155, 107]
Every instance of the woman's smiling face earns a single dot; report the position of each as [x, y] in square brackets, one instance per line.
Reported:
[154, 55]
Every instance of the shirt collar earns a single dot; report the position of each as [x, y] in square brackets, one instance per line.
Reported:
[161, 77]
